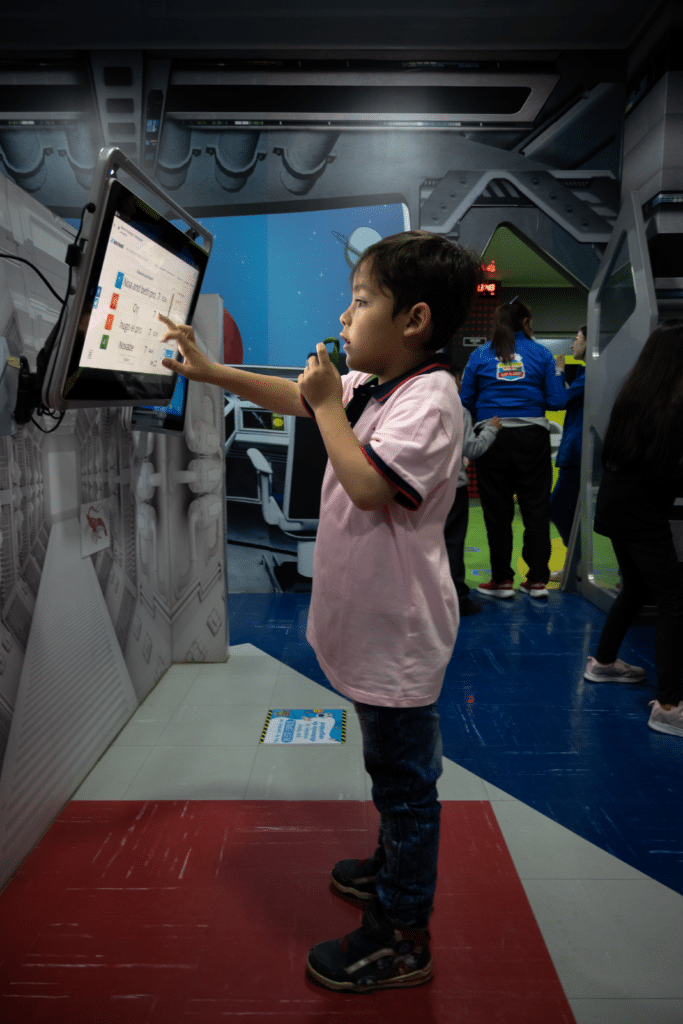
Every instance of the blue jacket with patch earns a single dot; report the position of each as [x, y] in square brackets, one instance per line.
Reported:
[524, 387]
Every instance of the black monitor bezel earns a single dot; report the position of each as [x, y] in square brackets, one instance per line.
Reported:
[120, 385]
[67, 384]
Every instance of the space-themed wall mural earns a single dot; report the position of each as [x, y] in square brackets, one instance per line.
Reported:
[292, 199]
[112, 548]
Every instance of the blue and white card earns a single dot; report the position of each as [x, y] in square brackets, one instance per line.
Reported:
[301, 725]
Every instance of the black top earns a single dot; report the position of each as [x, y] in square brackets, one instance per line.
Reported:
[631, 503]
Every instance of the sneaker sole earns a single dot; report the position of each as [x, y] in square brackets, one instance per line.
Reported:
[501, 594]
[670, 730]
[411, 980]
[534, 593]
[613, 679]
[348, 890]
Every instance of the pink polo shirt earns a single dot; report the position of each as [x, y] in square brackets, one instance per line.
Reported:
[384, 611]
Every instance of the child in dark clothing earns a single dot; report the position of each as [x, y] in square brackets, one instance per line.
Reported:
[458, 517]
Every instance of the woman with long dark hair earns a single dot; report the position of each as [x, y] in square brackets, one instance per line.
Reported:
[565, 495]
[642, 458]
[515, 378]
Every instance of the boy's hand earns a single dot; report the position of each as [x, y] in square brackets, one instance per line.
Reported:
[495, 422]
[196, 365]
[560, 362]
[320, 382]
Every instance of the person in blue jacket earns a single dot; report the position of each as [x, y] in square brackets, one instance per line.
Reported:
[565, 496]
[515, 378]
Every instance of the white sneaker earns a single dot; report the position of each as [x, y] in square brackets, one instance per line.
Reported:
[619, 672]
[670, 722]
[533, 589]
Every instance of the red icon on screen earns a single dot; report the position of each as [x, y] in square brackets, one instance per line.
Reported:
[114, 301]
[109, 322]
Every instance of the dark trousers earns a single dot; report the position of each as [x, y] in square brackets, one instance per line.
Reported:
[455, 532]
[649, 563]
[518, 462]
[564, 499]
[402, 749]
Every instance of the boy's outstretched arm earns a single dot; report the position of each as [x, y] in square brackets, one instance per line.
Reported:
[320, 384]
[274, 393]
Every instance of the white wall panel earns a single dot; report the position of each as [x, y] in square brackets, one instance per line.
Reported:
[74, 696]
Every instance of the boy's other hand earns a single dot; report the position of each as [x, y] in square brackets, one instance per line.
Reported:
[495, 422]
[196, 365]
[320, 382]
[560, 361]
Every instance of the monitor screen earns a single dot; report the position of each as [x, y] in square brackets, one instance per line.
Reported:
[135, 264]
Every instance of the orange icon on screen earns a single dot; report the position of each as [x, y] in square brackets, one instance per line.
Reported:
[109, 322]
[114, 301]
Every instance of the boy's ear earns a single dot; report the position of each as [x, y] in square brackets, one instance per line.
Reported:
[419, 320]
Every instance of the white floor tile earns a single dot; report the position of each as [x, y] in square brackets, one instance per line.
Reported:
[144, 728]
[294, 690]
[113, 773]
[172, 687]
[611, 939]
[307, 773]
[211, 725]
[494, 794]
[540, 848]
[627, 1011]
[243, 680]
[457, 783]
[193, 773]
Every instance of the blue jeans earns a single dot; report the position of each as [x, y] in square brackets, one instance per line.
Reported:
[402, 749]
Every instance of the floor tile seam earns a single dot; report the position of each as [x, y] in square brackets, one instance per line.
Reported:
[144, 762]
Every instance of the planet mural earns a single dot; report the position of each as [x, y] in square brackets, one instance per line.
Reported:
[356, 243]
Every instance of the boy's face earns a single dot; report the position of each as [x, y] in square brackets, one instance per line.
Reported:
[373, 339]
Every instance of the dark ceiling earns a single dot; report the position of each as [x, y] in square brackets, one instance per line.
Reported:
[328, 27]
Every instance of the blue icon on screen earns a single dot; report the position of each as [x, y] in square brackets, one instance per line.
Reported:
[119, 279]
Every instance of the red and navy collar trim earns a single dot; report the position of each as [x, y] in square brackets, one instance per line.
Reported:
[380, 392]
[362, 393]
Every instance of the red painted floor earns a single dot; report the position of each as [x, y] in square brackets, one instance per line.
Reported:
[164, 912]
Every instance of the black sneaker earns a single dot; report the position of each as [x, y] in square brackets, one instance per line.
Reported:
[375, 956]
[356, 877]
[469, 607]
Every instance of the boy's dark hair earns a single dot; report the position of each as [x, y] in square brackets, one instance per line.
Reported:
[507, 320]
[583, 330]
[419, 266]
[642, 431]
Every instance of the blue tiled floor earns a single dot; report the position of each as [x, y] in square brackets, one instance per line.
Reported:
[516, 711]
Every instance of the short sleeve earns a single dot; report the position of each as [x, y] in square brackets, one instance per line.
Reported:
[417, 444]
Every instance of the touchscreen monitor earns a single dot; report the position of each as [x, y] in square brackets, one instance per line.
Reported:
[135, 264]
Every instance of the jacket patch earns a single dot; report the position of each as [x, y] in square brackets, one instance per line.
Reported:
[513, 370]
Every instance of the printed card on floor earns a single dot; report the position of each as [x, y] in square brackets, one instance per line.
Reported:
[305, 726]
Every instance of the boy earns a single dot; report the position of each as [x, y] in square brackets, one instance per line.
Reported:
[384, 615]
